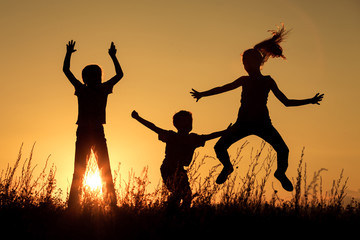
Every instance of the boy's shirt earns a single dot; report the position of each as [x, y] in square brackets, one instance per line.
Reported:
[180, 149]
[92, 104]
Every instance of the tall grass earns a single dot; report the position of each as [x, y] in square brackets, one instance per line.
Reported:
[32, 203]
[26, 190]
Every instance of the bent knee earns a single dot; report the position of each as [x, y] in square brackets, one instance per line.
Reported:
[219, 147]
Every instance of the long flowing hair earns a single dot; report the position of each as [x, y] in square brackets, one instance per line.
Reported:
[271, 47]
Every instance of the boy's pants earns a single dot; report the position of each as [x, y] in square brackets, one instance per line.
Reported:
[177, 182]
[91, 137]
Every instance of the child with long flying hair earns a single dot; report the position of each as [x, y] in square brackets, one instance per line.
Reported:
[253, 117]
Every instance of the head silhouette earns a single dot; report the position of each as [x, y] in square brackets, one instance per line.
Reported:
[183, 121]
[92, 75]
[252, 60]
[255, 57]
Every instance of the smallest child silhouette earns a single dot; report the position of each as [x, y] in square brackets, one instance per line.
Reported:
[180, 147]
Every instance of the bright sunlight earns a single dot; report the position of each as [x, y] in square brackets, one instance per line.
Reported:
[92, 184]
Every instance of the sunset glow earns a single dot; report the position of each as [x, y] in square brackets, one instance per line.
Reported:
[92, 183]
[165, 49]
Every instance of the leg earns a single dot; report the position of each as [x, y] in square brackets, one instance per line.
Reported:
[105, 170]
[233, 135]
[272, 136]
[169, 178]
[178, 185]
[184, 189]
[81, 152]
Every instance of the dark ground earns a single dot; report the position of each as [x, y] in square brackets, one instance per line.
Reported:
[206, 222]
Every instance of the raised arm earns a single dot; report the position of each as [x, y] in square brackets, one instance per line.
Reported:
[295, 102]
[118, 70]
[227, 87]
[70, 48]
[146, 123]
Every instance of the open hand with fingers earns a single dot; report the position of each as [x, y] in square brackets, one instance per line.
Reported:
[70, 47]
[317, 99]
[197, 95]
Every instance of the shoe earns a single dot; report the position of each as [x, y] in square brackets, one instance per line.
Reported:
[226, 171]
[285, 182]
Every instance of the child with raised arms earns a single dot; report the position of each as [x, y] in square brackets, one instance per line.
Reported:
[92, 99]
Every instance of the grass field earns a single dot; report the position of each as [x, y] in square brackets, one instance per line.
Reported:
[32, 207]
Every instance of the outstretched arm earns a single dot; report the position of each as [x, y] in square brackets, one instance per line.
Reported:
[295, 102]
[70, 48]
[227, 87]
[216, 134]
[118, 70]
[146, 123]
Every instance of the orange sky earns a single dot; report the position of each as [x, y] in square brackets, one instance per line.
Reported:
[166, 48]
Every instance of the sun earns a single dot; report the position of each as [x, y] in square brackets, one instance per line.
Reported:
[92, 180]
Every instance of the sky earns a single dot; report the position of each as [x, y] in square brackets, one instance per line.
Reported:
[167, 47]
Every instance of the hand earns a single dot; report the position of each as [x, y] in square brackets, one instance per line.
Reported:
[197, 95]
[112, 50]
[134, 114]
[317, 99]
[70, 47]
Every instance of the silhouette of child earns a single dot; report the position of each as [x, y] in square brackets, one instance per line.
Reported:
[180, 147]
[92, 99]
[253, 117]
